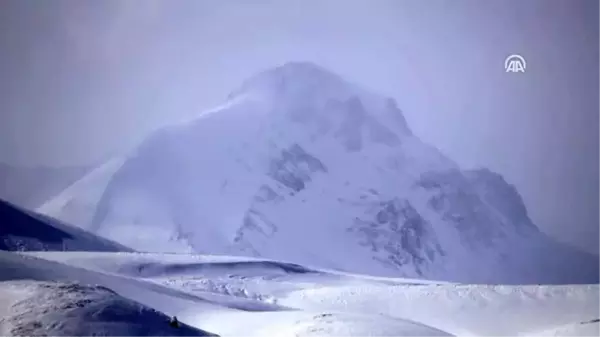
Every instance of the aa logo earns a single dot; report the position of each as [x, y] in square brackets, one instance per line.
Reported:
[515, 64]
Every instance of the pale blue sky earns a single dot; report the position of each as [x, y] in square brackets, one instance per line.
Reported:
[80, 80]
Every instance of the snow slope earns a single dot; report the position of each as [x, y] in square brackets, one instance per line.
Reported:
[233, 296]
[63, 309]
[24, 230]
[188, 306]
[588, 328]
[300, 165]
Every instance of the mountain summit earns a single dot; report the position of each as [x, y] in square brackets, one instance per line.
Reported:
[301, 165]
[298, 77]
[306, 91]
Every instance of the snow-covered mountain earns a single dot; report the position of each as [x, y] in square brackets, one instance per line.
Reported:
[22, 230]
[300, 165]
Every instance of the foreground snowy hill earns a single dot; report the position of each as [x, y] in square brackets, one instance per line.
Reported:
[23, 230]
[233, 296]
[62, 309]
[301, 165]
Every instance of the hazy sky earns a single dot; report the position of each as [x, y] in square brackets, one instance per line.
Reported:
[80, 80]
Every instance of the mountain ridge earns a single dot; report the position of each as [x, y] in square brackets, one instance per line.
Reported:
[23, 230]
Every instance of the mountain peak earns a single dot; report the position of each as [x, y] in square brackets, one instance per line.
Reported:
[307, 91]
[301, 67]
[294, 79]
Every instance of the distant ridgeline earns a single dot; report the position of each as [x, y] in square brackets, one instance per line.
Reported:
[21, 230]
